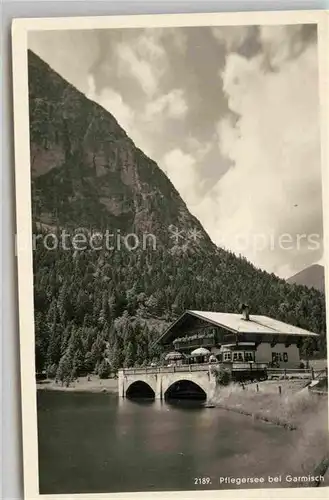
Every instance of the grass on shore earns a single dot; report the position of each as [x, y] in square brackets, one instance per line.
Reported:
[91, 383]
[264, 401]
[296, 409]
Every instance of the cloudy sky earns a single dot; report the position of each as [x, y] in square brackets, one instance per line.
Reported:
[229, 113]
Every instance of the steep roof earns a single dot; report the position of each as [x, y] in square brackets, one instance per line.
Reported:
[257, 324]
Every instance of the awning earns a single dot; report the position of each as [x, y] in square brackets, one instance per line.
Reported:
[174, 355]
[200, 351]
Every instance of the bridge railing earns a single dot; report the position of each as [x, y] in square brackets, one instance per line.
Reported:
[205, 367]
[290, 371]
[320, 374]
[165, 369]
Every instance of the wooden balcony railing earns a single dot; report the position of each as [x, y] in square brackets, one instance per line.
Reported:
[195, 343]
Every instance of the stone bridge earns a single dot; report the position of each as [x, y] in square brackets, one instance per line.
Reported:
[161, 381]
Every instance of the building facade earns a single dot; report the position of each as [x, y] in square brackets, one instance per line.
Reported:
[236, 338]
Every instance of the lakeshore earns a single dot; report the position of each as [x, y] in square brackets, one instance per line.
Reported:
[91, 383]
[281, 402]
[293, 408]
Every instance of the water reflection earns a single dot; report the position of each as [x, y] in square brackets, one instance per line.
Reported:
[185, 404]
[140, 401]
[128, 403]
[101, 443]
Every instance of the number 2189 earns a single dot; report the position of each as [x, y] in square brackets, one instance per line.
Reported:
[202, 480]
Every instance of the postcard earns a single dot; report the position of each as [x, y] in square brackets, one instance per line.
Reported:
[171, 184]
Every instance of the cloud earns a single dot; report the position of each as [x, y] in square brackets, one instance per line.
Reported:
[181, 168]
[274, 186]
[144, 60]
[138, 68]
[231, 37]
[148, 45]
[112, 101]
[200, 149]
[281, 43]
[178, 39]
[173, 105]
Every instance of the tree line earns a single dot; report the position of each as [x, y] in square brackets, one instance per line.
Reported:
[98, 311]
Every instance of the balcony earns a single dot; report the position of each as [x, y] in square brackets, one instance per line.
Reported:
[195, 341]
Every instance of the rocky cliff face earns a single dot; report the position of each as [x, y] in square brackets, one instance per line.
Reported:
[86, 171]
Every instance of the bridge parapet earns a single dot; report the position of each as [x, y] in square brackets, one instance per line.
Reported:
[167, 369]
[160, 379]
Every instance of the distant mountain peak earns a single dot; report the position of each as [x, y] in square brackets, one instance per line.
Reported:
[312, 277]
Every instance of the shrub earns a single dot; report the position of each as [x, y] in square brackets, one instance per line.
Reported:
[104, 370]
[223, 376]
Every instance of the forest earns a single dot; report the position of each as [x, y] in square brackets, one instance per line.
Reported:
[98, 311]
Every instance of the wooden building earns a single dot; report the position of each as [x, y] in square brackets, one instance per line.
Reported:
[237, 337]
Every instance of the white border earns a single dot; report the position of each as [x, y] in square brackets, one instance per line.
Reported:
[20, 29]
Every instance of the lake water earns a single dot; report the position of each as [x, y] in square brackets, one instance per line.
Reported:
[99, 443]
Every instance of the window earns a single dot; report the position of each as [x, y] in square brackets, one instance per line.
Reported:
[279, 357]
[249, 356]
[237, 356]
[226, 356]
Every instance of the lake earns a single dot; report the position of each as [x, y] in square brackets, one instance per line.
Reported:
[100, 443]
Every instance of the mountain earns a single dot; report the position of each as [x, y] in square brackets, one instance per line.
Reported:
[312, 277]
[100, 308]
[86, 171]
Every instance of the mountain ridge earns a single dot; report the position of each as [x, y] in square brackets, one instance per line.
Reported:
[311, 277]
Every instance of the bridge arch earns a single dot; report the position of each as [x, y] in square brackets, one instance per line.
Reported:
[160, 381]
[186, 389]
[140, 389]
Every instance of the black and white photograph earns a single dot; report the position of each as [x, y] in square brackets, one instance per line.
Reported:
[171, 254]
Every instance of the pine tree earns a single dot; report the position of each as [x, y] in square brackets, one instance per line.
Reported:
[129, 353]
[64, 371]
